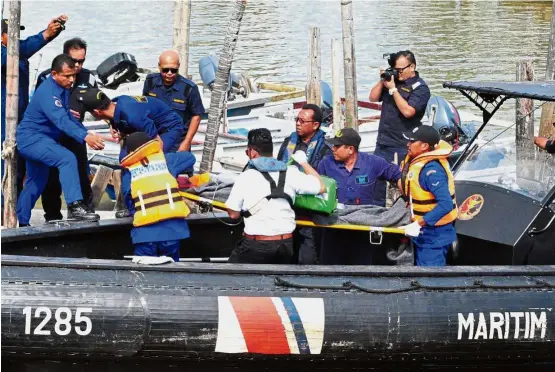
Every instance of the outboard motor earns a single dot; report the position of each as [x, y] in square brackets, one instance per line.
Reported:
[238, 83]
[117, 69]
[445, 118]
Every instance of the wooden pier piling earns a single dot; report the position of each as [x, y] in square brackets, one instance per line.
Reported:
[525, 149]
[181, 25]
[9, 181]
[349, 62]
[547, 128]
[313, 91]
[335, 78]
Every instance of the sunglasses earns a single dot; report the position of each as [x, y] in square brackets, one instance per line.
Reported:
[80, 61]
[167, 69]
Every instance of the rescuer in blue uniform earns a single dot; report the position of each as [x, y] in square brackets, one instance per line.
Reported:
[404, 98]
[27, 48]
[159, 225]
[429, 187]
[130, 114]
[356, 174]
[38, 135]
[309, 138]
[181, 94]
[76, 48]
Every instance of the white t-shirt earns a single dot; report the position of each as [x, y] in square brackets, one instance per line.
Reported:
[276, 217]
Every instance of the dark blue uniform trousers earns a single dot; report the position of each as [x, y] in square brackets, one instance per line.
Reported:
[168, 248]
[40, 156]
[428, 256]
[172, 139]
[387, 153]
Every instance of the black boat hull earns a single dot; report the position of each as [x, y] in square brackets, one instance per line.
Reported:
[192, 312]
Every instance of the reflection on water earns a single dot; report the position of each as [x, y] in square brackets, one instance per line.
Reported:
[451, 39]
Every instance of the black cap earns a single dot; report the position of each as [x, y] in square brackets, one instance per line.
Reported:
[345, 136]
[5, 26]
[92, 98]
[423, 133]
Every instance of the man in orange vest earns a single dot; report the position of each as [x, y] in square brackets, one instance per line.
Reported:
[429, 187]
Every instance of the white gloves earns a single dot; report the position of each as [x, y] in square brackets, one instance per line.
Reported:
[300, 157]
[412, 230]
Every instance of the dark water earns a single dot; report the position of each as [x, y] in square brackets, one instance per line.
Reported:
[451, 39]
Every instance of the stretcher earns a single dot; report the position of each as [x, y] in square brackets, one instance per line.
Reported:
[221, 205]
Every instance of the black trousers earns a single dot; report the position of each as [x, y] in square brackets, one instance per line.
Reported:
[346, 247]
[262, 251]
[51, 196]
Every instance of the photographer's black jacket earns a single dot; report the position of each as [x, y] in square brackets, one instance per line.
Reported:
[392, 122]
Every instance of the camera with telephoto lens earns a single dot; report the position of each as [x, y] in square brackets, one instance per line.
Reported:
[390, 71]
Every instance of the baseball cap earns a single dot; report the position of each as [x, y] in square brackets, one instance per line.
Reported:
[92, 98]
[345, 136]
[423, 133]
[5, 26]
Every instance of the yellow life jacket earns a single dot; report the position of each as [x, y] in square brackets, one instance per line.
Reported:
[154, 190]
[422, 201]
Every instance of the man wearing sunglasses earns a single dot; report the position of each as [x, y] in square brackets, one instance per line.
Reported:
[76, 49]
[181, 94]
[404, 99]
[309, 138]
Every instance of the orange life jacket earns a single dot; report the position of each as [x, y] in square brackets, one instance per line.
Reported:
[422, 201]
[154, 190]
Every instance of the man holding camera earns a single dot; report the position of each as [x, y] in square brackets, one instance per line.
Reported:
[404, 96]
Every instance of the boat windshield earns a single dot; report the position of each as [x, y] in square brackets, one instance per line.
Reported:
[498, 161]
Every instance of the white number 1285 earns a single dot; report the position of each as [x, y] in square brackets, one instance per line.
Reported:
[63, 316]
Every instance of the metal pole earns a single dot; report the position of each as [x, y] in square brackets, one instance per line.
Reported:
[525, 148]
[181, 25]
[217, 104]
[313, 93]
[349, 62]
[548, 109]
[335, 79]
[9, 182]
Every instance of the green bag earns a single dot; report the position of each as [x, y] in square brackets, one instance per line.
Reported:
[323, 203]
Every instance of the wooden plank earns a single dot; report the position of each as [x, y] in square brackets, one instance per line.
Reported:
[548, 110]
[181, 25]
[99, 183]
[336, 79]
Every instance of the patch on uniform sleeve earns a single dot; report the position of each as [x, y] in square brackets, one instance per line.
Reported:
[92, 80]
[416, 85]
[431, 172]
[58, 102]
[140, 99]
[152, 94]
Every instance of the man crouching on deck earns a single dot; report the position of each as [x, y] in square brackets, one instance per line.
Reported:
[429, 186]
[264, 194]
[151, 194]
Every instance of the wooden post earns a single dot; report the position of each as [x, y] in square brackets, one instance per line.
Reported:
[349, 62]
[100, 181]
[335, 79]
[313, 93]
[181, 25]
[217, 99]
[548, 109]
[525, 149]
[9, 181]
